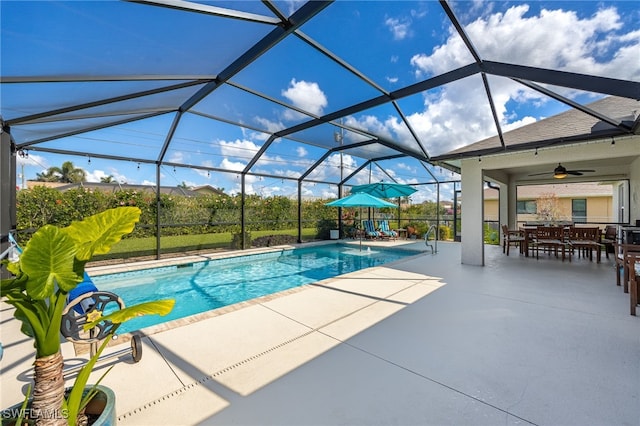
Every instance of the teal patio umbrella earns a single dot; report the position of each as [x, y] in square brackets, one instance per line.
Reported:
[385, 189]
[360, 199]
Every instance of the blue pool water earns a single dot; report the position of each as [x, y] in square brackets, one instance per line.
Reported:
[203, 286]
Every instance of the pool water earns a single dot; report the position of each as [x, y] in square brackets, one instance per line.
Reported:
[204, 286]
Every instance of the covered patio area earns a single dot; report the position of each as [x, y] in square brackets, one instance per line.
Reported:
[421, 341]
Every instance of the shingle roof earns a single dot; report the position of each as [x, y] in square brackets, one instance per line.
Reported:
[113, 187]
[570, 126]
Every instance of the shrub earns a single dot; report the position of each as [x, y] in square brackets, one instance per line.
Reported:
[324, 226]
[274, 240]
[236, 240]
[444, 232]
[491, 236]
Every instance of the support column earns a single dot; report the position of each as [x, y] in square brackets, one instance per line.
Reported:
[504, 218]
[472, 213]
[158, 215]
[243, 213]
[512, 200]
[299, 211]
[7, 191]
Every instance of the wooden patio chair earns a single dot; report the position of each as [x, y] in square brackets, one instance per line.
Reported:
[621, 252]
[632, 261]
[609, 236]
[585, 240]
[512, 238]
[551, 238]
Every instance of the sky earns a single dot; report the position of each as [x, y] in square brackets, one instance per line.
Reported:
[394, 44]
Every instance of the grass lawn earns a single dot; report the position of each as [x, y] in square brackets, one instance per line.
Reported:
[174, 243]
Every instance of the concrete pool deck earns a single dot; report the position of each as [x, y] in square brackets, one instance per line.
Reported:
[424, 340]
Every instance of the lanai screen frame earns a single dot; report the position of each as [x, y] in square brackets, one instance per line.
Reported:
[283, 27]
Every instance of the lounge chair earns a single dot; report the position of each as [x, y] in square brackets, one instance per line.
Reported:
[383, 226]
[370, 230]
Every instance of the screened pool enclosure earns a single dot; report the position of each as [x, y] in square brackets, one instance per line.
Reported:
[255, 102]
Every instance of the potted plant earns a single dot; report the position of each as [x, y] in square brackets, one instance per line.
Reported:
[51, 265]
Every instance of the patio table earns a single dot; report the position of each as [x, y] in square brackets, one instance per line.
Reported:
[402, 232]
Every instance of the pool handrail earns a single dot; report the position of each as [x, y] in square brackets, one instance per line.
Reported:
[431, 231]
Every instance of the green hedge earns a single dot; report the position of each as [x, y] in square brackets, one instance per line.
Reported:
[194, 223]
[178, 215]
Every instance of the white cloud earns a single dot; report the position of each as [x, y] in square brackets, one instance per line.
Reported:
[305, 95]
[177, 157]
[392, 80]
[227, 164]
[518, 123]
[205, 173]
[32, 160]
[238, 149]
[270, 126]
[329, 170]
[399, 27]
[555, 39]
[301, 151]
[327, 193]
[95, 176]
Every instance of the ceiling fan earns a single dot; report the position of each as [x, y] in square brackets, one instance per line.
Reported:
[561, 172]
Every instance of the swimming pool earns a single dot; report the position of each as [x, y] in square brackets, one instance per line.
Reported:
[208, 285]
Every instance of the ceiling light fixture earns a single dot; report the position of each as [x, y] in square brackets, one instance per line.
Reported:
[560, 172]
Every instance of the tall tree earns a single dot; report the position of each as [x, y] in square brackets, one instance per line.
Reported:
[68, 173]
[107, 179]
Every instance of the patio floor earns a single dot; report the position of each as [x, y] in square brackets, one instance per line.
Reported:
[423, 341]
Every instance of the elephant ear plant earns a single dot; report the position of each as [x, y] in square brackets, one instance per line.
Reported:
[51, 265]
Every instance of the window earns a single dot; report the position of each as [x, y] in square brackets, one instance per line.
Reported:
[527, 207]
[579, 210]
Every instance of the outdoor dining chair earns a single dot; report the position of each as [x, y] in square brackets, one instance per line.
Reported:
[514, 238]
[585, 240]
[632, 261]
[551, 238]
[609, 236]
[621, 252]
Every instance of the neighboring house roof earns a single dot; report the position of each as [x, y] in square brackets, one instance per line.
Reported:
[561, 190]
[568, 127]
[113, 187]
[207, 190]
[32, 183]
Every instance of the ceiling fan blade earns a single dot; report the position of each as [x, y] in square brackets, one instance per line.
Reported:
[541, 174]
[584, 171]
[574, 172]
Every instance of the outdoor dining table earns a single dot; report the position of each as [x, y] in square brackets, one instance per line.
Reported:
[529, 232]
